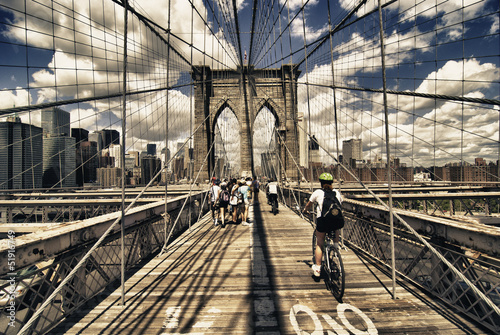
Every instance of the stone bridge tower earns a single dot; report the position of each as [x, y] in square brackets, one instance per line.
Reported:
[246, 91]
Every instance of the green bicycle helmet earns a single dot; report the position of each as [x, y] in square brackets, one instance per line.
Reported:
[325, 177]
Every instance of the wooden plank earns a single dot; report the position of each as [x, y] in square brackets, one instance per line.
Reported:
[249, 280]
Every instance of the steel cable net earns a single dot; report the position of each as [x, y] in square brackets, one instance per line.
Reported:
[63, 91]
[442, 84]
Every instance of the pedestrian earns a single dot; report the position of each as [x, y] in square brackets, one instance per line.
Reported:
[248, 182]
[255, 189]
[233, 201]
[224, 197]
[243, 191]
[213, 194]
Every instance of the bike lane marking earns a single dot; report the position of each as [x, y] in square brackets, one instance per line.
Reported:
[339, 330]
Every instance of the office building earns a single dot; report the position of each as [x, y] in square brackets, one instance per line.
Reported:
[150, 166]
[59, 162]
[21, 152]
[87, 162]
[165, 159]
[314, 156]
[352, 151]
[151, 149]
[115, 151]
[105, 138]
[180, 152]
[135, 156]
[109, 177]
[56, 122]
[59, 153]
[81, 135]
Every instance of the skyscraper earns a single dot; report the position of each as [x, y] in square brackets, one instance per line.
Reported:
[59, 153]
[84, 162]
[20, 155]
[56, 122]
[115, 150]
[89, 161]
[151, 149]
[105, 138]
[59, 162]
[150, 166]
[108, 137]
[352, 151]
[80, 134]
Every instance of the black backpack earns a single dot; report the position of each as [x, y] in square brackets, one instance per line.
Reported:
[331, 211]
[224, 197]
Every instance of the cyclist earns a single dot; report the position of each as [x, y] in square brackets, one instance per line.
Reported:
[272, 192]
[322, 226]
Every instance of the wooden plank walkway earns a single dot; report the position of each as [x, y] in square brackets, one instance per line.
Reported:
[257, 280]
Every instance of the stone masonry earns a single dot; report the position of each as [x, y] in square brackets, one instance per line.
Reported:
[246, 91]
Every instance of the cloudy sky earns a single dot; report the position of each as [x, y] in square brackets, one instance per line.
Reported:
[431, 47]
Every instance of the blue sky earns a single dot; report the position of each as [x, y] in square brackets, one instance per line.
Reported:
[425, 40]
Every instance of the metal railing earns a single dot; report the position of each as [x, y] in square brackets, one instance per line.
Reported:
[24, 289]
[415, 262]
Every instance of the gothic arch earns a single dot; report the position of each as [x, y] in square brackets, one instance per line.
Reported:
[224, 103]
[245, 91]
[272, 107]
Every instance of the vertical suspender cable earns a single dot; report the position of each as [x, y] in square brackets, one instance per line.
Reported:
[190, 149]
[388, 149]
[335, 105]
[308, 102]
[291, 58]
[334, 96]
[122, 158]
[191, 157]
[165, 214]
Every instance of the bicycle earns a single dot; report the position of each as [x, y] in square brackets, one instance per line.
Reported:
[275, 206]
[272, 199]
[332, 266]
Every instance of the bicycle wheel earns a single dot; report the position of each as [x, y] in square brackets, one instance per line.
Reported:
[314, 247]
[335, 275]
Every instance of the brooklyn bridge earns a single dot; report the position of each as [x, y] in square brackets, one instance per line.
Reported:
[116, 116]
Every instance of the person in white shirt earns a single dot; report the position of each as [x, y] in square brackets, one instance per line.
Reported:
[322, 226]
[243, 191]
[272, 192]
[214, 197]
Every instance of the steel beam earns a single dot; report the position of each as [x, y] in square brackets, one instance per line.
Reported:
[470, 234]
[57, 238]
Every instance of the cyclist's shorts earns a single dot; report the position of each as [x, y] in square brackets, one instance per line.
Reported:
[323, 226]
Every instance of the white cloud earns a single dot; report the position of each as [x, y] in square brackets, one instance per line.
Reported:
[87, 60]
[18, 97]
[415, 134]
[241, 4]
[298, 30]
[296, 4]
[495, 26]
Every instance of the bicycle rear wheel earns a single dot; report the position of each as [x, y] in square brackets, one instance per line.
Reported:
[314, 247]
[335, 275]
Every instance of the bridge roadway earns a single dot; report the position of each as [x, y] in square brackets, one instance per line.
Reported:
[257, 280]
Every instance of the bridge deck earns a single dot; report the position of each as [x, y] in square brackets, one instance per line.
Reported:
[247, 280]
